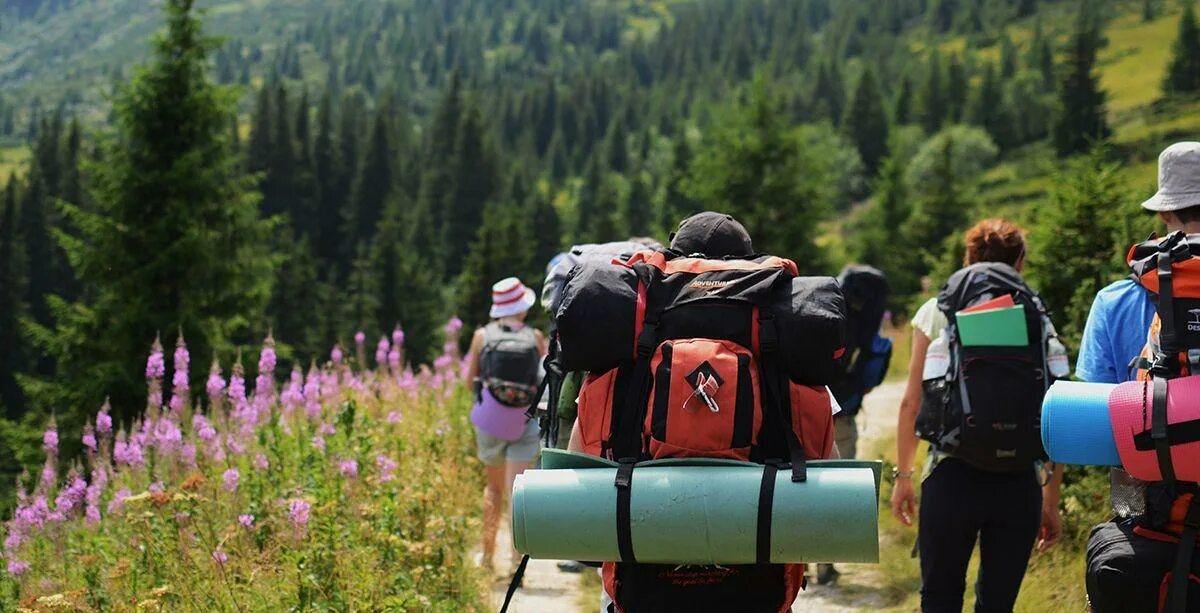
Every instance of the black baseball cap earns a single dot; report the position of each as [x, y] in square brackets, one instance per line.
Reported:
[715, 235]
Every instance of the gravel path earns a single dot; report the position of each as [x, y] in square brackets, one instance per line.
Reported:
[548, 590]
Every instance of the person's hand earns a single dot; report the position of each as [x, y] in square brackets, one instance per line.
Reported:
[1051, 531]
[904, 501]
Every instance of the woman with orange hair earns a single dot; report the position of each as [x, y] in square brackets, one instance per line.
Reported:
[965, 498]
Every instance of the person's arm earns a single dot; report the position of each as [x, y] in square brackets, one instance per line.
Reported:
[473, 358]
[576, 443]
[1051, 530]
[904, 500]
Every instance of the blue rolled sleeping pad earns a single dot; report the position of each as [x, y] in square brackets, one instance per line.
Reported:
[1076, 426]
[696, 511]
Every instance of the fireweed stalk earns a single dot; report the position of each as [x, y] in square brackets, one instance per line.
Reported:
[350, 488]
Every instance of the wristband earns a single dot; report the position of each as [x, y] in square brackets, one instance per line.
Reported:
[896, 474]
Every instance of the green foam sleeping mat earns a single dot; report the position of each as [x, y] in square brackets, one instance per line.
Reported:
[689, 511]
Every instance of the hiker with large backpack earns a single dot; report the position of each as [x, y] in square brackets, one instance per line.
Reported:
[705, 350]
[984, 353]
[1145, 559]
[504, 364]
[868, 354]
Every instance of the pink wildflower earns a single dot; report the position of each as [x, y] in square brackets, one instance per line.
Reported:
[50, 440]
[89, 437]
[360, 337]
[336, 354]
[326, 429]
[349, 468]
[219, 556]
[104, 422]
[129, 452]
[394, 359]
[454, 326]
[398, 337]
[215, 384]
[17, 568]
[386, 467]
[319, 442]
[443, 361]
[381, 351]
[298, 511]
[394, 417]
[118, 500]
[247, 521]
[157, 487]
[230, 479]
[261, 463]
[155, 365]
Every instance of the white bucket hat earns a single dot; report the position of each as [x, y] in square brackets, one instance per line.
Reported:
[1178, 178]
[510, 297]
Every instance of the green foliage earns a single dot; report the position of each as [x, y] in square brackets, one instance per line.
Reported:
[1074, 242]
[174, 241]
[752, 167]
[1082, 101]
[882, 243]
[866, 123]
[502, 248]
[12, 281]
[970, 149]
[941, 207]
[1183, 74]
[408, 291]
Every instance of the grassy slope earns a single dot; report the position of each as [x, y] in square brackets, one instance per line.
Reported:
[12, 160]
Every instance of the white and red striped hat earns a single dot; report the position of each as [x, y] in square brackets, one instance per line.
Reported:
[510, 297]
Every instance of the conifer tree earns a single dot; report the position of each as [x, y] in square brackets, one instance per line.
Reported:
[883, 242]
[473, 180]
[1073, 242]
[501, 249]
[12, 401]
[297, 310]
[258, 147]
[753, 168]
[957, 87]
[934, 105]
[988, 110]
[1008, 57]
[408, 291]
[358, 300]
[829, 95]
[615, 147]
[902, 108]
[373, 186]
[677, 204]
[1183, 73]
[174, 241]
[304, 208]
[279, 188]
[586, 207]
[941, 211]
[638, 206]
[1083, 119]
[543, 217]
[37, 238]
[436, 180]
[866, 123]
[327, 172]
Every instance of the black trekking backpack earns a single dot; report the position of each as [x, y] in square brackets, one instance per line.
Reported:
[987, 408]
[867, 353]
[508, 364]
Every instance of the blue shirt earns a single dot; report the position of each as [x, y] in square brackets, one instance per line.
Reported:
[1115, 333]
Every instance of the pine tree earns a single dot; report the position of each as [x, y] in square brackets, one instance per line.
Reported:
[543, 217]
[436, 181]
[501, 249]
[616, 150]
[940, 212]
[358, 300]
[754, 168]
[328, 168]
[1008, 57]
[279, 186]
[934, 105]
[1073, 242]
[957, 87]
[37, 238]
[307, 198]
[902, 108]
[637, 209]
[70, 188]
[473, 181]
[12, 401]
[988, 109]
[1083, 119]
[297, 305]
[408, 291]
[174, 241]
[677, 204]
[883, 242]
[866, 124]
[258, 147]
[373, 186]
[1183, 73]
[586, 207]
[829, 95]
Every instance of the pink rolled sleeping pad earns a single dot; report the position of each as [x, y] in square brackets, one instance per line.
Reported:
[1129, 410]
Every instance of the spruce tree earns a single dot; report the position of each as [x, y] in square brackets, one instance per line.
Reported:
[883, 243]
[989, 111]
[940, 212]
[934, 104]
[436, 178]
[174, 241]
[830, 93]
[279, 186]
[616, 150]
[328, 168]
[473, 180]
[586, 207]
[1074, 243]
[501, 249]
[677, 204]
[1183, 73]
[297, 304]
[638, 207]
[373, 186]
[408, 291]
[258, 147]
[12, 401]
[902, 108]
[866, 123]
[957, 88]
[543, 217]
[36, 231]
[1083, 119]
[754, 168]
[307, 198]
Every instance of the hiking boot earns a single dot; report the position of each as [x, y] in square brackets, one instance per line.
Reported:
[827, 574]
[570, 566]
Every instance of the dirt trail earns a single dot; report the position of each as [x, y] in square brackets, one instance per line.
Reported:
[548, 590]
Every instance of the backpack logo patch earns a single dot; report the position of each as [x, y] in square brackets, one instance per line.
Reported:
[705, 382]
[1194, 324]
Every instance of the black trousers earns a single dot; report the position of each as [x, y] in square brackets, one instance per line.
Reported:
[961, 504]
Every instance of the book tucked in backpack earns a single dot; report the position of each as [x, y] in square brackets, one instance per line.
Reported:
[868, 353]
[987, 373]
[699, 358]
[1149, 561]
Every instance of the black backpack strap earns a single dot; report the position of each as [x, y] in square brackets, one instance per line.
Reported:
[1177, 591]
[766, 504]
[778, 395]
[624, 485]
[517, 580]
[1159, 432]
[628, 418]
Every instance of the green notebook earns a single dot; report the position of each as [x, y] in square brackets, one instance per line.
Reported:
[995, 328]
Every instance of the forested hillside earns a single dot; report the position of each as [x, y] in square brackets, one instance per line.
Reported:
[398, 156]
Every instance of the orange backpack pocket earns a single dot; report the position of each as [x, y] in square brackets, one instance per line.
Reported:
[595, 411]
[705, 400]
[812, 419]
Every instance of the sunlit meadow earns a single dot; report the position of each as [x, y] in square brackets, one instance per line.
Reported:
[350, 486]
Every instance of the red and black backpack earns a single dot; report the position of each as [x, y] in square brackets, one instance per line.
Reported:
[694, 357]
[1159, 548]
